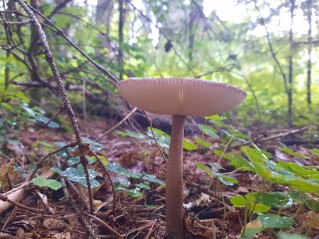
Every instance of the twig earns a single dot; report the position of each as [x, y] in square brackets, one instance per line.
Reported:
[16, 23]
[104, 224]
[55, 115]
[69, 110]
[217, 69]
[117, 125]
[151, 127]
[108, 177]
[83, 220]
[58, 8]
[149, 234]
[280, 135]
[76, 191]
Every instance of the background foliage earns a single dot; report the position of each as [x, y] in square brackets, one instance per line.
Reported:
[268, 48]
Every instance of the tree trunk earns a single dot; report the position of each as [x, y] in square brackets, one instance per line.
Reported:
[35, 94]
[191, 32]
[309, 65]
[290, 67]
[122, 4]
[104, 12]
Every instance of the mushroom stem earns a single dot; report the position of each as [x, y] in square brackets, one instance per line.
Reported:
[174, 181]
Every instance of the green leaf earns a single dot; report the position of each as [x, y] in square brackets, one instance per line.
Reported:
[78, 175]
[153, 179]
[114, 167]
[283, 235]
[6, 106]
[239, 201]
[237, 161]
[315, 151]
[73, 160]
[299, 170]
[44, 182]
[258, 207]
[251, 229]
[313, 205]
[215, 117]
[132, 134]
[208, 130]
[134, 192]
[275, 221]
[30, 112]
[103, 159]
[241, 135]
[203, 143]
[121, 183]
[226, 180]
[249, 201]
[163, 139]
[229, 181]
[188, 145]
[292, 153]
[216, 166]
[143, 186]
[45, 120]
[205, 169]
[275, 199]
[22, 96]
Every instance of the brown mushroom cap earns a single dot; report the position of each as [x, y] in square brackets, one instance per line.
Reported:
[183, 96]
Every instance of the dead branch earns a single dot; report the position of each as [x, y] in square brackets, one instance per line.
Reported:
[275, 136]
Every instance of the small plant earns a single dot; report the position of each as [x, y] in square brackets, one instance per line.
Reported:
[132, 183]
[222, 177]
[266, 221]
[16, 112]
[44, 182]
[161, 137]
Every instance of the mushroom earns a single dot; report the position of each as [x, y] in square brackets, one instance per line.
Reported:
[179, 97]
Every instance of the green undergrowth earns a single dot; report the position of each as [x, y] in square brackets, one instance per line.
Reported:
[264, 211]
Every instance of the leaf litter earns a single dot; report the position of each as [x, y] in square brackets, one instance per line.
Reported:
[137, 170]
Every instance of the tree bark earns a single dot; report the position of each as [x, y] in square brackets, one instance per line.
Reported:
[290, 67]
[122, 4]
[309, 64]
[35, 93]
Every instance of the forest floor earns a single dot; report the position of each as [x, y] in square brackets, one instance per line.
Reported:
[46, 213]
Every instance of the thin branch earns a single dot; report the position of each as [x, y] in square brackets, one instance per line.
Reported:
[58, 8]
[275, 136]
[4, 22]
[116, 125]
[105, 225]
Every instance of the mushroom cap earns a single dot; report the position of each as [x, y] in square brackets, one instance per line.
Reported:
[182, 96]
